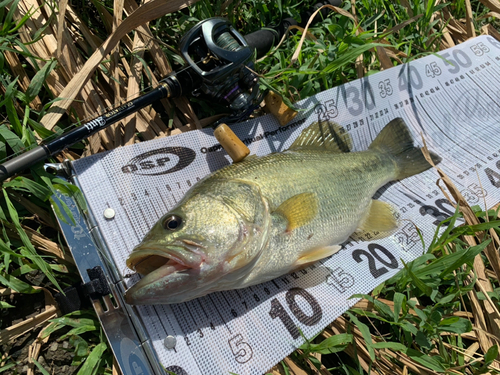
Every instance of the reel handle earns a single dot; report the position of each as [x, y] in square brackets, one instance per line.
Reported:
[262, 40]
[275, 105]
[235, 148]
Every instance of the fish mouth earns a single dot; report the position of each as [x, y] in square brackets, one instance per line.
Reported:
[149, 256]
[147, 261]
[167, 269]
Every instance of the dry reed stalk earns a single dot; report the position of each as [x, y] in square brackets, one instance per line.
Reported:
[23, 79]
[277, 370]
[447, 41]
[490, 30]
[469, 24]
[493, 5]
[143, 14]
[360, 68]
[116, 367]
[51, 311]
[486, 317]
[34, 351]
[40, 242]
[133, 89]
[63, 4]
[41, 215]
[115, 53]
[454, 27]
[70, 78]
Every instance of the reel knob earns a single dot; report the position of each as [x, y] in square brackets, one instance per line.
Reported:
[236, 149]
[275, 105]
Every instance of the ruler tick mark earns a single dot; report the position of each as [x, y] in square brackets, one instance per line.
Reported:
[218, 312]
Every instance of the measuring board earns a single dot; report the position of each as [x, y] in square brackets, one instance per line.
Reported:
[453, 101]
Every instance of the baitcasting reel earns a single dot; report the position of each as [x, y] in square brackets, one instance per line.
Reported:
[220, 56]
[221, 68]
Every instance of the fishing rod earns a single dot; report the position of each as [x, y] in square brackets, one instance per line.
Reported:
[220, 64]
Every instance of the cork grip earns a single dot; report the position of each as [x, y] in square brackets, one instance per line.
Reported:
[275, 106]
[231, 143]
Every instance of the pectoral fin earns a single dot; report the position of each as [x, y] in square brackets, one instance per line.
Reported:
[298, 210]
[381, 217]
[316, 254]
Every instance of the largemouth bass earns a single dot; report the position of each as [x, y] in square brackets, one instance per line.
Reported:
[256, 220]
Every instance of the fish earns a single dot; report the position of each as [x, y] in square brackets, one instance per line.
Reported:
[253, 221]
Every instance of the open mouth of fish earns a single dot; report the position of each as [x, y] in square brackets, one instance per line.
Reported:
[146, 262]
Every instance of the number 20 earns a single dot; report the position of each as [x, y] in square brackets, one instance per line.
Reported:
[372, 255]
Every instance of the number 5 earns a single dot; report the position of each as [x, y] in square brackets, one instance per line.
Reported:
[241, 350]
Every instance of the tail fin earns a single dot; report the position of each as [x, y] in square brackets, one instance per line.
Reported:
[395, 139]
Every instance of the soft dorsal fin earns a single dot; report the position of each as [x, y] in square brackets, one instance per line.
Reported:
[324, 135]
[298, 210]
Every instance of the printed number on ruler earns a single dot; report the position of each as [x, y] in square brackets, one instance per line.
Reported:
[474, 193]
[493, 42]
[434, 211]
[479, 49]
[385, 88]
[432, 70]
[409, 77]
[455, 60]
[372, 255]
[357, 101]
[170, 187]
[241, 350]
[327, 110]
[493, 175]
[408, 236]
[339, 279]
[278, 311]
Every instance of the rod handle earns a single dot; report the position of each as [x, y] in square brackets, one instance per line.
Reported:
[22, 162]
[235, 148]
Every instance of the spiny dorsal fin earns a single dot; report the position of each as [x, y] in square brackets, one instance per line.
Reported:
[324, 135]
[298, 210]
[380, 220]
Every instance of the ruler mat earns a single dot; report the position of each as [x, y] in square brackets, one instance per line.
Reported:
[452, 100]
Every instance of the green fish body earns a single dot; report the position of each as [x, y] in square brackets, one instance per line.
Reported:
[256, 220]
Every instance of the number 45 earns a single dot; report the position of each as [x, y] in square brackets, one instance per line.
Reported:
[432, 70]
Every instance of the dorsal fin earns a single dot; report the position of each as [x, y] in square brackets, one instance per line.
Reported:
[324, 135]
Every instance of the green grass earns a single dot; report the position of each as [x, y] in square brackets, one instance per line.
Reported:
[413, 314]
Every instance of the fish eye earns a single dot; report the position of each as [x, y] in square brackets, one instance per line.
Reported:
[172, 222]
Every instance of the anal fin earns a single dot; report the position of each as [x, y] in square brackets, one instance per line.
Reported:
[381, 218]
